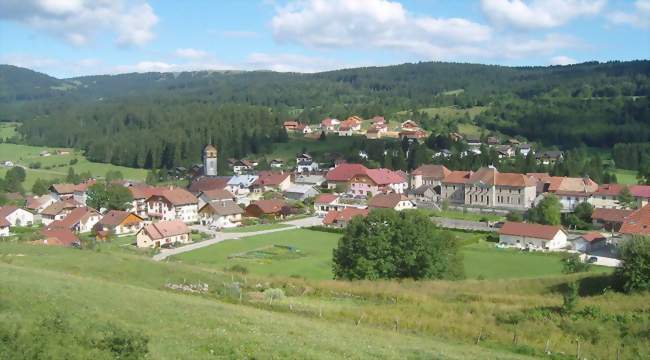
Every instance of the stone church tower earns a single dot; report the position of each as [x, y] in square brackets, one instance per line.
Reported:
[210, 161]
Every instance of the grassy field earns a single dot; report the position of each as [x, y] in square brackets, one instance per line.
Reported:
[626, 176]
[252, 228]
[333, 144]
[56, 166]
[469, 130]
[7, 130]
[311, 257]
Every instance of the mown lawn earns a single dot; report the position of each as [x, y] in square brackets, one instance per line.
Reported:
[253, 228]
[459, 215]
[311, 259]
[333, 144]
[626, 176]
[7, 130]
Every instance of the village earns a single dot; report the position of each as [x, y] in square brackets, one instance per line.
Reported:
[168, 216]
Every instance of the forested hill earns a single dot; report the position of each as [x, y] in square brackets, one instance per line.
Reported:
[146, 116]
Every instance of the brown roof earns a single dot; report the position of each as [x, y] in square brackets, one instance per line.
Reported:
[204, 184]
[145, 191]
[437, 172]
[224, 208]
[58, 236]
[57, 207]
[344, 215]
[638, 222]
[71, 188]
[593, 236]
[4, 222]
[610, 215]
[271, 178]
[7, 210]
[34, 202]
[538, 231]
[325, 198]
[178, 196]
[165, 229]
[345, 172]
[492, 176]
[218, 194]
[609, 189]
[572, 186]
[116, 217]
[387, 201]
[457, 177]
[76, 216]
[269, 206]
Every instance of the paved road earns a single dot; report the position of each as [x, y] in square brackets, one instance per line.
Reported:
[463, 224]
[221, 236]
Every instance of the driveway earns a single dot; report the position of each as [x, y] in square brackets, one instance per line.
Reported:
[221, 236]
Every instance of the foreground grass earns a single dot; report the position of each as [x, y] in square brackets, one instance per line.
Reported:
[257, 227]
[56, 166]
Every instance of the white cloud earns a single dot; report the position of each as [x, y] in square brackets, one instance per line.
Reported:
[288, 62]
[639, 18]
[79, 21]
[373, 24]
[190, 53]
[517, 47]
[562, 60]
[163, 66]
[538, 14]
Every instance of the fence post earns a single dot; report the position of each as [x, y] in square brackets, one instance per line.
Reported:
[478, 339]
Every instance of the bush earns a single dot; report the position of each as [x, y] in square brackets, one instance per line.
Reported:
[570, 297]
[634, 272]
[237, 269]
[274, 294]
[74, 161]
[573, 264]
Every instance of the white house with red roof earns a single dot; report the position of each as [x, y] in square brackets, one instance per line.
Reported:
[532, 236]
[641, 193]
[329, 124]
[637, 223]
[163, 233]
[342, 174]
[16, 216]
[606, 196]
[271, 181]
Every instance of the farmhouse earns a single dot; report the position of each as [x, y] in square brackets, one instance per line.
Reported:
[269, 208]
[532, 236]
[37, 204]
[571, 191]
[57, 211]
[290, 125]
[4, 227]
[637, 223]
[163, 233]
[223, 214]
[393, 201]
[341, 218]
[272, 181]
[342, 174]
[80, 220]
[609, 219]
[173, 204]
[16, 216]
[140, 195]
[606, 196]
[429, 175]
[120, 223]
[212, 196]
[549, 157]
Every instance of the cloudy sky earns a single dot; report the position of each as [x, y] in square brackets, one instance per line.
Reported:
[79, 37]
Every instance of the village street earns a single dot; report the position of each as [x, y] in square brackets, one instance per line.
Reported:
[222, 236]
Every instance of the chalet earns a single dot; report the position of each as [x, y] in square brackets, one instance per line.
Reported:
[79, 220]
[606, 196]
[340, 219]
[487, 187]
[173, 204]
[588, 242]
[120, 223]
[493, 141]
[290, 125]
[305, 163]
[269, 208]
[342, 174]
[57, 211]
[218, 195]
[58, 237]
[637, 223]
[16, 216]
[222, 214]
[549, 157]
[140, 194]
[71, 191]
[350, 126]
[409, 125]
[375, 181]
[428, 175]
[329, 124]
[393, 201]
[524, 149]
[271, 181]
[276, 163]
[473, 142]
[242, 166]
[504, 151]
[532, 236]
[300, 192]
[36, 204]
[163, 233]
[609, 219]
[304, 129]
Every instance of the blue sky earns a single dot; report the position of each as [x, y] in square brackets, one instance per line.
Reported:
[79, 37]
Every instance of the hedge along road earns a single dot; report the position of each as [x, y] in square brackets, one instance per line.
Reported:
[221, 236]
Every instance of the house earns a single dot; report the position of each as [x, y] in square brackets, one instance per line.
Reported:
[71, 191]
[272, 181]
[300, 192]
[376, 131]
[4, 227]
[242, 166]
[428, 175]
[304, 129]
[329, 124]
[570, 191]
[473, 142]
[8, 163]
[341, 218]
[425, 193]
[493, 141]
[36, 204]
[641, 193]
[504, 151]
[217, 195]
[549, 157]
[290, 125]
[305, 163]
[588, 242]
[79, 220]
[524, 149]
[609, 219]
[163, 233]
[378, 120]
[222, 214]
[57, 211]
[532, 236]
[375, 181]
[342, 174]
[140, 194]
[345, 130]
[413, 134]
[487, 187]
[120, 223]
[16, 216]
[606, 196]
[240, 184]
[57, 236]
[637, 223]
[173, 204]
[350, 126]
[325, 203]
[313, 180]
[270, 208]
[276, 163]
[393, 201]
[409, 125]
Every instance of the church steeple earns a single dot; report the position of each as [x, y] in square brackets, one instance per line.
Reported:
[210, 160]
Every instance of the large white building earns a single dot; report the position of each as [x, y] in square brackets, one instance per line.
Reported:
[174, 204]
[532, 236]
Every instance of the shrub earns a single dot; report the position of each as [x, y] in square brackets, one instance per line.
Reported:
[573, 264]
[272, 294]
[634, 273]
[570, 297]
[237, 269]
[74, 161]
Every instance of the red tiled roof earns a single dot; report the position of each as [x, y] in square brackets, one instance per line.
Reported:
[7, 210]
[74, 217]
[58, 236]
[610, 215]
[145, 192]
[437, 172]
[71, 188]
[271, 178]
[345, 172]
[538, 231]
[593, 236]
[642, 191]
[178, 196]
[344, 215]
[325, 199]
[34, 202]
[57, 207]
[457, 177]
[572, 186]
[4, 222]
[165, 229]
[204, 184]
[271, 206]
[385, 176]
[116, 217]
[638, 222]
[387, 201]
[609, 190]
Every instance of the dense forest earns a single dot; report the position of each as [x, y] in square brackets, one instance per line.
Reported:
[162, 119]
